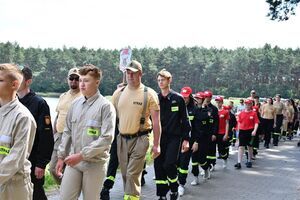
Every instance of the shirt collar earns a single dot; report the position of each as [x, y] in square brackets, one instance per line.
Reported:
[92, 99]
[4, 110]
[168, 96]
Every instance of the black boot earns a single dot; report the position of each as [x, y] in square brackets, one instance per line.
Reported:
[174, 196]
[104, 195]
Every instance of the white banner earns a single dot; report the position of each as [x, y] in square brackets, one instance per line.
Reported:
[125, 58]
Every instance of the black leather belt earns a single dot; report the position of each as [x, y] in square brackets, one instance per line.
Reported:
[131, 136]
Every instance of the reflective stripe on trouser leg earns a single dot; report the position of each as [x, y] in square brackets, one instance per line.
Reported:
[130, 197]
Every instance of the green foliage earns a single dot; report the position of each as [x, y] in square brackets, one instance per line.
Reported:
[281, 10]
[268, 70]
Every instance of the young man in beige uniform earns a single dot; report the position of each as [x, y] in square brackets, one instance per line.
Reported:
[17, 131]
[133, 140]
[90, 127]
[64, 103]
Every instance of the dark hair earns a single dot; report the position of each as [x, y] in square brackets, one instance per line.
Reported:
[256, 97]
[27, 73]
[271, 100]
[192, 101]
[278, 95]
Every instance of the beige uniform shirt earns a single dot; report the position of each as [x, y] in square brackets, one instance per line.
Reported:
[130, 107]
[268, 111]
[90, 127]
[279, 107]
[64, 103]
[17, 131]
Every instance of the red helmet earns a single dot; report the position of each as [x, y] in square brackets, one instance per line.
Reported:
[248, 101]
[186, 91]
[208, 94]
[219, 98]
[200, 95]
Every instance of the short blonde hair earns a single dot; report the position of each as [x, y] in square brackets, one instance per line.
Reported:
[91, 70]
[12, 71]
[164, 73]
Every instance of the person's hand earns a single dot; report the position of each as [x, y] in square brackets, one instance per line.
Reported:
[73, 159]
[39, 172]
[195, 147]
[225, 137]
[185, 146]
[213, 138]
[253, 133]
[59, 166]
[155, 152]
[274, 125]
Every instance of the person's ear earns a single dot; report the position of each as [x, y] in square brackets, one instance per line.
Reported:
[98, 82]
[28, 82]
[15, 85]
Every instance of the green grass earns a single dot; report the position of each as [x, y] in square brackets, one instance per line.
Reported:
[50, 183]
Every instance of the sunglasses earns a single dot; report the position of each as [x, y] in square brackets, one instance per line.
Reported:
[73, 78]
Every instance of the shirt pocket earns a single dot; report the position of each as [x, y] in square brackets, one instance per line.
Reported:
[93, 128]
[5, 144]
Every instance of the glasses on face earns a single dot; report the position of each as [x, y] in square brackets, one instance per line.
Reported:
[73, 78]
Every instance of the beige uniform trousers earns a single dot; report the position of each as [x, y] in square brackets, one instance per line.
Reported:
[132, 154]
[20, 189]
[85, 177]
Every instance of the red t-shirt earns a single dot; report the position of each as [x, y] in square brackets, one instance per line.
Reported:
[223, 116]
[255, 109]
[247, 120]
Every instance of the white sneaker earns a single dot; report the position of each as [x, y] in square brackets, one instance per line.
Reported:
[224, 164]
[195, 181]
[206, 174]
[201, 172]
[181, 190]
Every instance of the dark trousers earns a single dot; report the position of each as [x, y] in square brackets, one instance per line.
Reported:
[112, 166]
[183, 165]
[223, 147]
[277, 130]
[268, 128]
[165, 165]
[201, 154]
[38, 189]
[211, 154]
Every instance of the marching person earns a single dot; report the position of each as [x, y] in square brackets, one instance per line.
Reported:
[268, 115]
[247, 126]
[222, 136]
[175, 132]
[135, 103]
[184, 157]
[279, 109]
[213, 111]
[259, 133]
[64, 103]
[114, 164]
[43, 142]
[203, 126]
[16, 137]
[89, 129]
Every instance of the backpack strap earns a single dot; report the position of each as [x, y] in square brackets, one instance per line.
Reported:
[117, 101]
[142, 121]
